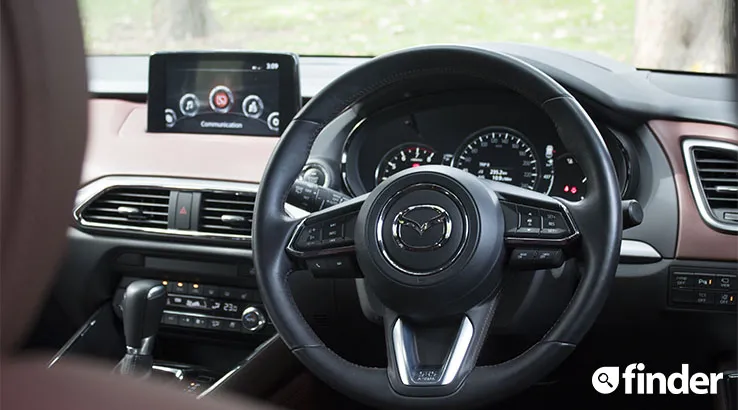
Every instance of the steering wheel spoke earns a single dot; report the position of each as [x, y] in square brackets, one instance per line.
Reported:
[434, 357]
[540, 231]
[323, 241]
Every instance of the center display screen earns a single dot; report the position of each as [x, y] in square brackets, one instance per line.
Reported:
[222, 93]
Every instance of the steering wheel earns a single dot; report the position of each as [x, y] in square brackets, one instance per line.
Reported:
[432, 243]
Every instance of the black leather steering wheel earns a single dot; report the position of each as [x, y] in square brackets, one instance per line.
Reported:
[432, 242]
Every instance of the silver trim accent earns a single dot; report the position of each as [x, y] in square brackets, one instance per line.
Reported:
[147, 346]
[406, 356]
[260, 316]
[393, 199]
[637, 250]
[721, 188]
[156, 291]
[695, 185]
[97, 188]
[177, 373]
[92, 321]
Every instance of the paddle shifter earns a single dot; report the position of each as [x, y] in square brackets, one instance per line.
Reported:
[143, 304]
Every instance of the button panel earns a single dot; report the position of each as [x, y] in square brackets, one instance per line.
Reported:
[529, 222]
[205, 307]
[330, 233]
[695, 289]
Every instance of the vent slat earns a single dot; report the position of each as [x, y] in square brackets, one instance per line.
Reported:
[144, 208]
[238, 209]
[717, 171]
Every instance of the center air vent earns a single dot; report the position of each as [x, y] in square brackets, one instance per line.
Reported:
[129, 207]
[713, 174]
[227, 213]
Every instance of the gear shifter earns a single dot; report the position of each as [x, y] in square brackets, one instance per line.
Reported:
[143, 304]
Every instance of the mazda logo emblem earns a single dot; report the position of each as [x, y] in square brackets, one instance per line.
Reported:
[421, 228]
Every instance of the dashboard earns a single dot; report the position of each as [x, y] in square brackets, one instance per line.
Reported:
[498, 136]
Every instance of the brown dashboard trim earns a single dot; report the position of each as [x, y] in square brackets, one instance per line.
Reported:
[118, 144]
[696, 240]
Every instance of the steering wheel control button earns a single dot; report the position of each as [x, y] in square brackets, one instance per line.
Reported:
[553, 225]
[189, 105]
[332, 232]
[309, 238]
[252, 319]
[340, 266]
[523, 257]
[252, 106]
[221, 99]
[530, 221]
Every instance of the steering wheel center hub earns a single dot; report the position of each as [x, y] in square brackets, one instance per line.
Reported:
[429, 241]
[422, 229]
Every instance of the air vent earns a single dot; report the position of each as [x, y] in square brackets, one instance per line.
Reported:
[227, 213]
[713, 173]
[130, 207]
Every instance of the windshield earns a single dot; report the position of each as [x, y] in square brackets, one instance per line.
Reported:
[681, 35]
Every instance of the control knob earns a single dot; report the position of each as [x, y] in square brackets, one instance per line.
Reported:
[253, 319]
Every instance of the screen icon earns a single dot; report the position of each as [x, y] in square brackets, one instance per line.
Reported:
[273, 121]
[189, 105]
[170, 117]
[606, 379]
[252, 106]
[221, 99]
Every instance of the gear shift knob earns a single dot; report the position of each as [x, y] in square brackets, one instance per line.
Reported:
[143, 304]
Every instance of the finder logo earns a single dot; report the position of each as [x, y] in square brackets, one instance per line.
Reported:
[606, 380]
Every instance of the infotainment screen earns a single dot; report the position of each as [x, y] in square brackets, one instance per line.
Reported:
[237, 93]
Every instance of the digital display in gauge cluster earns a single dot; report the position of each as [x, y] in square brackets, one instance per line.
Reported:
[500, 142]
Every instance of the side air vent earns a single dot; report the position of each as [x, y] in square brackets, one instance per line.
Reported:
[713, 175]
[227, 213]
[129, 207]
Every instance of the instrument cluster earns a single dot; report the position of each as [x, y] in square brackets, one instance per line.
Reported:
[503, 138]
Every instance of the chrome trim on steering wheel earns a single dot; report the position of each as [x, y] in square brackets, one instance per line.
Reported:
[406, 356]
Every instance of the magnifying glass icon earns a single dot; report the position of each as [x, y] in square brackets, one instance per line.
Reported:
[603, 378]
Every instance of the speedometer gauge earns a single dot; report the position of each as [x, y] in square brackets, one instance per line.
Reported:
[504, 155]
[403, 157]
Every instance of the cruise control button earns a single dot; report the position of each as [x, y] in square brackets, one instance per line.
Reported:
[553, 220]
[554, 233]
[531, 232]
[523, 257]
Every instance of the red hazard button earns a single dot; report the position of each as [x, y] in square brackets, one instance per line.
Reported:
[184, 210]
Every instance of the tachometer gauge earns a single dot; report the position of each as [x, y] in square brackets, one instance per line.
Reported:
[504, 155]
[403, 157]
